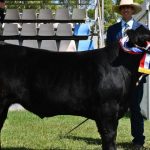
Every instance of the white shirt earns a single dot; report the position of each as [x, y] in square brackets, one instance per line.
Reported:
[129, 23]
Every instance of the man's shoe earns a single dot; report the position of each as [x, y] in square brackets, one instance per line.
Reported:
[138, 147]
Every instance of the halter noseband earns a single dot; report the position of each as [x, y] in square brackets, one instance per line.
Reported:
[146, 49]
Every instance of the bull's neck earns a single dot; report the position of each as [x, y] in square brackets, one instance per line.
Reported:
[129, 61]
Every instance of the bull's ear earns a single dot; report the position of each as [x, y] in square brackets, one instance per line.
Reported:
[132, 36]
[130, 33]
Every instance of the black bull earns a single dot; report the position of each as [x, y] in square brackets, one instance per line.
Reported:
[95, 84]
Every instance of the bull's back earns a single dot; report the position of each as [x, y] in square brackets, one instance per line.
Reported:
[46, 80]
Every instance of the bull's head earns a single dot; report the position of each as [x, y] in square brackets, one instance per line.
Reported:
[139, 38]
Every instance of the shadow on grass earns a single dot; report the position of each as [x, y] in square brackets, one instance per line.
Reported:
[23, 148]
[128, 146]
[124, 145]
[85, 139]
[15, 148]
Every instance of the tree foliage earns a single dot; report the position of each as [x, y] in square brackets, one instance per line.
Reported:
[26, 4]
[109, 15]
[38, 4]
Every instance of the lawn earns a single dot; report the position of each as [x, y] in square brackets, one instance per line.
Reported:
[25, 131]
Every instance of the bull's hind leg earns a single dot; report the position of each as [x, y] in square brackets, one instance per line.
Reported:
[3, 114]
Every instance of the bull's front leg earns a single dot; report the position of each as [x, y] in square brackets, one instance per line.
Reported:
[107, 127]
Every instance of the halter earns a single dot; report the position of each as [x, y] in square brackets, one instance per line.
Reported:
[146, 49]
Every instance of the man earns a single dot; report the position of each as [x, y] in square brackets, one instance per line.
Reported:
[2, 9]
[126, 9]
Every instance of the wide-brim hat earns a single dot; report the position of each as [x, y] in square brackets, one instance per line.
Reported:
[136, 7]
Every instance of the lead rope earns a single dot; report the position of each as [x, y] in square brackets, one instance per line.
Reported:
[77, 126]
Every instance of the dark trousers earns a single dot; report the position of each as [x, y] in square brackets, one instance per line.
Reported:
[137, 120]
[2, 16]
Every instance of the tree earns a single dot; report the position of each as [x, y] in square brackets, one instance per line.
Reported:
[109, 15]
[37, 4]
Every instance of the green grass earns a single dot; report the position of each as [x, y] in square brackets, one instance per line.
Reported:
[25, 131]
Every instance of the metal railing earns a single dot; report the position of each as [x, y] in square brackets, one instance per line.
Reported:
[99, 22]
